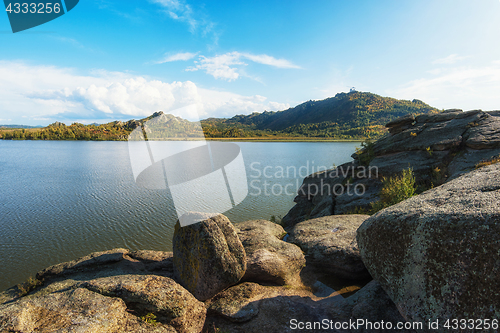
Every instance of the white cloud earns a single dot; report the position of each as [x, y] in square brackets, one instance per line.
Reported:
[35, 95]
[229, 66]
[177, 57]
[449, 60]
[459, 87]
[134, 97]
[220, 67]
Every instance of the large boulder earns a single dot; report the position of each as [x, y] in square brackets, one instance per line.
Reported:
[73, 310]
[208, 256]
[269, 259]
[159, 295]
[436, 254]
[330, 244]
[77, 296]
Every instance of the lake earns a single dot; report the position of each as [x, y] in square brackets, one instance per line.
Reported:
[60, 200]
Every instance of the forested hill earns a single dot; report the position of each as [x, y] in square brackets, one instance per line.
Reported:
[347, 115]
[354, 115]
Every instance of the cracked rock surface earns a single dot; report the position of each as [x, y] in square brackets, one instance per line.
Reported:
[436, 254]
[96, 294]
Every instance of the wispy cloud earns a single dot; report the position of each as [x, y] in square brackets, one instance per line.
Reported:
[177, 57]
[71, 41]
[75, 43]
[268, 60]
[230, 66]
[195, 18]
[449, 60]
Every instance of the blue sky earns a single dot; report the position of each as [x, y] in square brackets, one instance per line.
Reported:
[124, 59]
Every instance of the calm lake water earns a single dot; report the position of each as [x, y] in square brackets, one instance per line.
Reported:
[60, 200]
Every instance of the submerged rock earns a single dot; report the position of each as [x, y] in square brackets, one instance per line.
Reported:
[436, 254]
[208, 256]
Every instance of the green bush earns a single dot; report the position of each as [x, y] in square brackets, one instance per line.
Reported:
[366, 154]
[395, 189]
[150, 318]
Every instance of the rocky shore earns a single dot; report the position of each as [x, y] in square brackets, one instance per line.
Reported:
[438, 147]
[433, 257]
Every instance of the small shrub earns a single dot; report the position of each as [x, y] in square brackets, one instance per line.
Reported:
[150, 318]
[366, 153]
[438, 176]
[413, 134]
[488, 162]
[429, 151]
[395, 189]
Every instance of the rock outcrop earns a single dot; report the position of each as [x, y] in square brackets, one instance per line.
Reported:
[72, 310]
[155, 294]
[330, 245]
[438, 147]
[208, 256]
[436, 254]
[76, 296]
[250, 307]
[269, 258]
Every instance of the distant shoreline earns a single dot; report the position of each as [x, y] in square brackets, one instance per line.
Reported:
[280, 139]
[301, 139]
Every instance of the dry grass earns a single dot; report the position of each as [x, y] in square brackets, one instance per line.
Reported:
[488, 162]
[30, 284]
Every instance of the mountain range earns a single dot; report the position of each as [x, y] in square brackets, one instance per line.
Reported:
[353, 115]
[347, 115]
